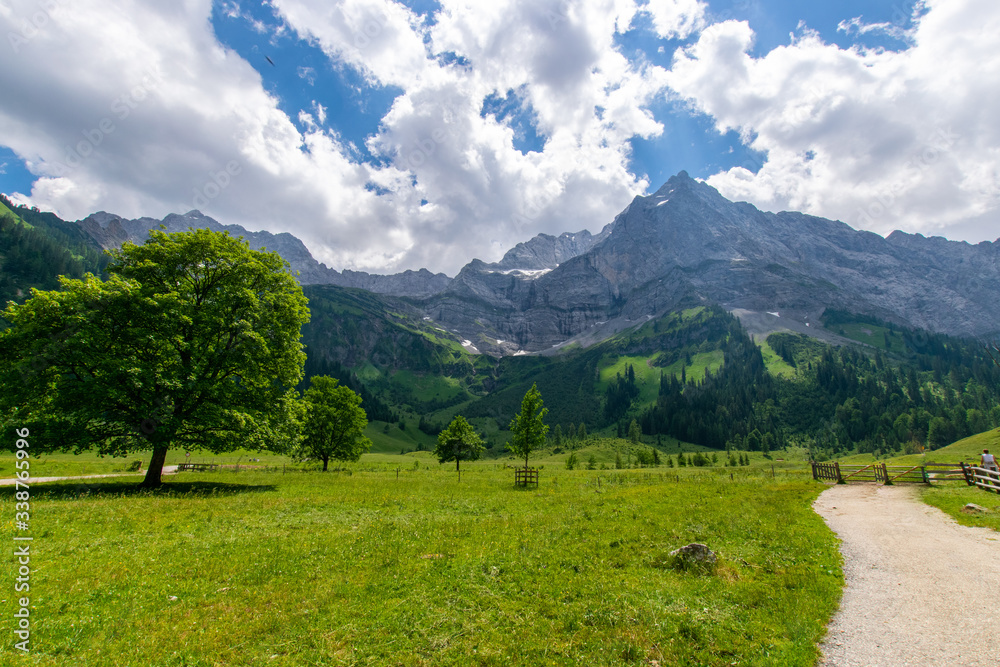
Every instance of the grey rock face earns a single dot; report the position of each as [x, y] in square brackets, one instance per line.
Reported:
[686, 244]
[110, 231]
[547, 252]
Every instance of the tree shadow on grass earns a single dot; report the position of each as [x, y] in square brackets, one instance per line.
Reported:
[75, 490]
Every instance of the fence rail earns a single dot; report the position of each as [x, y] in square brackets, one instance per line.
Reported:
[924, 473]
[984, 478]
[197, 467]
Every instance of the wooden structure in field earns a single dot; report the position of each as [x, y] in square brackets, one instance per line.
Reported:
[197, 467]
[525, 476]
[984, 478]
[880, 472]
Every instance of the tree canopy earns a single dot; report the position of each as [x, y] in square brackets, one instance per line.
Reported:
[193, 341]
[334, 423]
[459, 442]
[527, 427]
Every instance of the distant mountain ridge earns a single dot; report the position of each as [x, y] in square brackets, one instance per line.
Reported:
[682, 246]
[110, 231]
[687, 245]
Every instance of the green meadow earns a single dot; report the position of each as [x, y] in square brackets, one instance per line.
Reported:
[393, 561]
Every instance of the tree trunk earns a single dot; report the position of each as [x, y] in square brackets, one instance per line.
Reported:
[326, 461]
[155, 468]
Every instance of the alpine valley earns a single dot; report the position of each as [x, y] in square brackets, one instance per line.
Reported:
[708, 322]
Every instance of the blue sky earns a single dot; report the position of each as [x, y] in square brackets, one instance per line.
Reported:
[394, 135]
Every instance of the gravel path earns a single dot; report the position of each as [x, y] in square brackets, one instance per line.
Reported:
[10, 481]
[921, 589]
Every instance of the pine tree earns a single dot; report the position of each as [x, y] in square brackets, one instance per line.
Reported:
[634, 432]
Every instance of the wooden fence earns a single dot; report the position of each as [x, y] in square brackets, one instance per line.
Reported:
[525, 476]
[982, 477]
[196, 467]
[879, 471]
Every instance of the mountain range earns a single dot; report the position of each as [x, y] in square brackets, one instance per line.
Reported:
[635, 323]
[683, 245]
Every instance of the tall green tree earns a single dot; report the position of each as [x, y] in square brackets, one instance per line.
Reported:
[459, 442]
[193, 342]
[527, 428]
[334, 423]
[634, 432]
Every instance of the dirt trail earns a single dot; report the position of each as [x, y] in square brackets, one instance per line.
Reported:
[10, 481]
[921, 589]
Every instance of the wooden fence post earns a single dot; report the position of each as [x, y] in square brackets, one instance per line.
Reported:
[967, 473]
[836, 465]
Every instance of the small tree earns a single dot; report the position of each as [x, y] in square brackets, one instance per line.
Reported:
[572, 461]
[592, 462]
[581, 431]
[334, 425]
[634, 432]
[557, 436]
[459, 442]
[527, 428]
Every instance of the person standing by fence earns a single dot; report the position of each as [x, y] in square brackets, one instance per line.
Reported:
[988, 461]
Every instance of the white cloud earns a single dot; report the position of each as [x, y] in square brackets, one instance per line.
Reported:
[676, 19]
[881, 140]
[137, 109]
[307, 73]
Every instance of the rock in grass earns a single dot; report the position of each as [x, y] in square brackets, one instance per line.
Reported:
[973, 508]
[694, 556]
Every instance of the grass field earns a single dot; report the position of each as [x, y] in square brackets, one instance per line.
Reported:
[367, 568]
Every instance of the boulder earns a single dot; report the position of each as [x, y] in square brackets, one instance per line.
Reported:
[694, 556]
